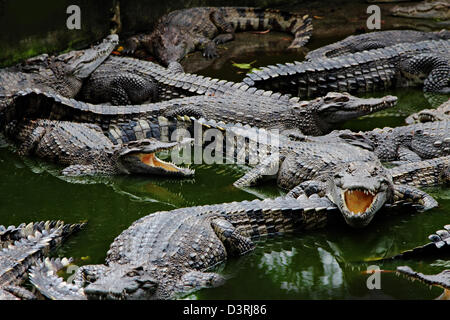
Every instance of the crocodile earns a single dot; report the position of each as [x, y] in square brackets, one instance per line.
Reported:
[289, 162]
[408, 143]
[400, 65]
[87, 151]
[181, 247]
[439, 245]
[183, 31]
[429, 9]
[63, 74]
[24, 245]
[171, 82]
[313, 117]
[374, 40]
[439, 114]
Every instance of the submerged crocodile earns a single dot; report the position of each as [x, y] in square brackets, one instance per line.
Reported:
[439, 245]
[401, 65]
[183, 31]
[86, 150]
[314, 117]
[21, 247]
[429, 9]
[63, 74]
[169, 254]
[440, 113]
[374, 40]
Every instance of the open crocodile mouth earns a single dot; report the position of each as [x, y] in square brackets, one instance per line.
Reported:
[358, 201]
[150, 159]
[430, 280]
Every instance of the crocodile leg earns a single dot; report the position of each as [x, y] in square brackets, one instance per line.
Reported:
[235, 243]
[406, 155]
[196, 279]
[21, 293]
[128, 89]
[436, 68]
[415, 196]
[31, 143]
[225, 28]
[308, 188]
[266, 169]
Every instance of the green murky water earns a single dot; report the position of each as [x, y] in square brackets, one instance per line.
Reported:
[322, 264]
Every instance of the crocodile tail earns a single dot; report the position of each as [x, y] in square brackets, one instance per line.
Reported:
[19, 255]
[247, 19]
[43, 276]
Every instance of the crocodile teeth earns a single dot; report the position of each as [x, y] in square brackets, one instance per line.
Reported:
[358, 201]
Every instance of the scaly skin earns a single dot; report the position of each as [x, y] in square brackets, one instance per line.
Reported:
[409, 143]
[168, 254]
[183, 31]
[374, 40]
[401, 65]
[86, 151]
[441, 113]
[133, 77]
[314, 117]
[62, 74]
[148, 262]
[22, 247]
[289, 162]
[429, 9]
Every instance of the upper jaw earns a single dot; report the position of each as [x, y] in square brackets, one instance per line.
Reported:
[442, 279]
[144, 159]
[93, 57]
[356, 107]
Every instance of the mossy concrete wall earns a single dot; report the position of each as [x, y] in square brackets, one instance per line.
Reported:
[29, 27]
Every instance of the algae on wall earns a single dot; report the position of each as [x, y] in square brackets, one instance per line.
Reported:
[29, 27]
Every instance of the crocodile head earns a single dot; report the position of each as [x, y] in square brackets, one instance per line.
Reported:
[441, 279]
[139, 157]
[171, 46]
[82, 63]
[436, 9]
[360, 189]
[122, 282]
[339, 107]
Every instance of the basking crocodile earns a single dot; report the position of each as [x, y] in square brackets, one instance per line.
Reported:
[314, 117]
[439, 244]
[374, 40]
[401, 65]
[62, 74]
[429, 9]
[183, 31]
[274, 156]
[291, 163]
[86, 150]
[21, 247]
[440, 113]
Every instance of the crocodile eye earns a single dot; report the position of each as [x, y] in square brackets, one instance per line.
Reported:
[132, 273]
